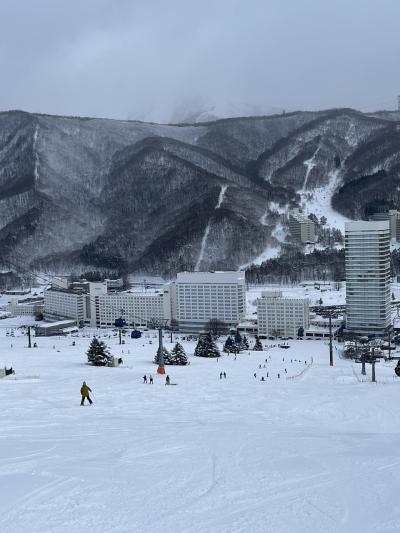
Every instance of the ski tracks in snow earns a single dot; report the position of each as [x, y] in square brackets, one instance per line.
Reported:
[207, 230]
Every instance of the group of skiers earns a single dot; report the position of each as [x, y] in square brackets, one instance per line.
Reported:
[222, 375]
[150, 381]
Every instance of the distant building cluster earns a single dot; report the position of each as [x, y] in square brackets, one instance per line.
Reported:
[190, 301]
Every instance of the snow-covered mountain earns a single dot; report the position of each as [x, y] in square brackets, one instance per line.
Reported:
[82, 193]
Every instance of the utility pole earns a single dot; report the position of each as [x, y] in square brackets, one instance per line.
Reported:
[363, 372]
[330, 341]
[29, 337]
[373, 379]
[161, 368]
[390, 350]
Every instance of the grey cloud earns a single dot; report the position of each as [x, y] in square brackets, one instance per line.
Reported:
[146, 59]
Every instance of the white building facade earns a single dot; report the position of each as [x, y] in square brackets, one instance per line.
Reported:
[367, 248]
[301, 227]
[60, 304]
[282, 317]
[202, 296]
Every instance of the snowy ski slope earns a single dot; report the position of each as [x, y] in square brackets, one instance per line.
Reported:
[315, 453]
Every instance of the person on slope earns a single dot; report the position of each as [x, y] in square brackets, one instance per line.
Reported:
[85, 393]
[167, 380]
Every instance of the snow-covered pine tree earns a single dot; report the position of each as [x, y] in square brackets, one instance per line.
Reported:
[178, 355]
[167, 357]
[98, 353]
[257, 345]
[244, 345]
[206, 347]
[229, 345]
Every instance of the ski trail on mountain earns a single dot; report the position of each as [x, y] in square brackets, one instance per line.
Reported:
[37, 163]
[207, 231]
[310, 164]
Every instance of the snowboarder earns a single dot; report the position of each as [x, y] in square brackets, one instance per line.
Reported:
[167, 380]
[145, 379]
[85, 393]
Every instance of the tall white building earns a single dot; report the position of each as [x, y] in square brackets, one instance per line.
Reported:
[367, 247]
[301, 227]
[202, 296]
[282, 317]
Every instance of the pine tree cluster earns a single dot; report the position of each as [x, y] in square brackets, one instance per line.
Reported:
[177, 356]
[98, 353]
[206, 347]
[237, 344]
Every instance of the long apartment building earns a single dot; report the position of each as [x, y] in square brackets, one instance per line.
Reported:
[90, 304]
[279, 316]
[367, 254]
[202, 296]
[301, 227]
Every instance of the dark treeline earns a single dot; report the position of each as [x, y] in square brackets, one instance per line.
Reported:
[293, 266]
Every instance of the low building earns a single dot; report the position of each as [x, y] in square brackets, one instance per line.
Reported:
[301, 227]
[26, 307]
[281, 317]
[61, 327]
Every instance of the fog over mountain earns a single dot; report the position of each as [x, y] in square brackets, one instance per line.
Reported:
[167, 61]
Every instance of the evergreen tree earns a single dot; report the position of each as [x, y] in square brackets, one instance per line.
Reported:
[178, 355]
[238, 338]
[229, 345]
[206, 347]
[244, 345]
[167, 357]
[98, 353]
[258, 345]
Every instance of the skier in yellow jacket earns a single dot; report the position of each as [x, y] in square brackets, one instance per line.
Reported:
[85, 393]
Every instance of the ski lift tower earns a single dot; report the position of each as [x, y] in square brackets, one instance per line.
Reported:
[120, 323]
[157, 323]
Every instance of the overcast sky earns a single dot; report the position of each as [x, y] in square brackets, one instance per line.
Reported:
[151, 59]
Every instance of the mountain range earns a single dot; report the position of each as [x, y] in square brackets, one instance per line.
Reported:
[80, 194]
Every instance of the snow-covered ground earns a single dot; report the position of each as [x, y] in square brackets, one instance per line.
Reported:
[314, 453]
[319, 201]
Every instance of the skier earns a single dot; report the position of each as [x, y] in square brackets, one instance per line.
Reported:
[224, 375]
[255, 375]
[285, 371]
[259, 366]
[151, 380]
[279, 376]
[267, 374]
[145, 379]
[85, 393]
[262, 378]
[167, 380]
[220, 375]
